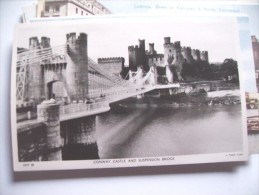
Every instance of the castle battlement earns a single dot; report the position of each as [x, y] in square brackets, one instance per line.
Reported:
[35, 44]
[177, 44]
[141, 43]
[110, 60]
[72, 38]
[156, 59]
[205, 56]
[167, 40]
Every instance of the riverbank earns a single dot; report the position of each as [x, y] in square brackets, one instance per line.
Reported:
[192, 94]
[195, 99]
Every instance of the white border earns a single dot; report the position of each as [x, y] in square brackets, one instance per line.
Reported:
[92, 164]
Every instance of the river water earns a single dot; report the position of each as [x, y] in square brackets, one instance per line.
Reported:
[148, 130]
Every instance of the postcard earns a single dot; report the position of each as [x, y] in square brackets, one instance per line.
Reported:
[127, 92]
[63, 11]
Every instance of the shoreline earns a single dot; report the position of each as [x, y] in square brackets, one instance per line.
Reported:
[197, 99]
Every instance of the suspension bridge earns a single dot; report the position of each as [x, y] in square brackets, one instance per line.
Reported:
[69, 90]
[86, 88]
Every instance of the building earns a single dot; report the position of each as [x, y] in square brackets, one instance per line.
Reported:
[113, 65]
[174, 56]
[57, 8]
[138, 56]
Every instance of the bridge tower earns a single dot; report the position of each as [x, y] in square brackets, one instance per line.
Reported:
[77, 67]
[35, 79]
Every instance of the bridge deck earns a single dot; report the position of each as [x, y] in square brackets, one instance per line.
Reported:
[79, 110]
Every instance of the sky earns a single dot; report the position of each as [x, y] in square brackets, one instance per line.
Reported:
[111, 37]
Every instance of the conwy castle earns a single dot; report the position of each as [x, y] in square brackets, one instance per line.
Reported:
[176, 63]
[175, 57]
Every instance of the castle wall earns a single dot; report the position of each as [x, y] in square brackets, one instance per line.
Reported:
[114, 65]
[175, 56]
[156, 60]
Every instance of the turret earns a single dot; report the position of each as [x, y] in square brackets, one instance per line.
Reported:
[142, 44]
[205, 56]
[167, 40]
[45, 42]
[71, 37]
[34, 43]
[151, 48]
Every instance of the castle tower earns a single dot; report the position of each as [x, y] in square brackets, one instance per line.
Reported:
[205, 56]
[168, 51]
[196, 54]
[77, 66]
[35, 83]
[45, 42]
[142, 60]
[34, 43]
[152, 49]
[133, 56]
[177, 50]
[142, 44]
[137, 56]
[187, 54]
[167, 40]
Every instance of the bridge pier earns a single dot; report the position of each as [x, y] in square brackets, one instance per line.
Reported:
[80, 139]
[49, 113]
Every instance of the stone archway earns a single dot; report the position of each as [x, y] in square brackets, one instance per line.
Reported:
[56, 90]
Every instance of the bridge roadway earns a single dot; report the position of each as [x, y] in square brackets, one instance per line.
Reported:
[78, 110]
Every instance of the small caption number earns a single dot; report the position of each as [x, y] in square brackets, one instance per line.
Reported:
[28, 165]
[234, 154]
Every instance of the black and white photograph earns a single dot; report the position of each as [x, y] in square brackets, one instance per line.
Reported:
[126, 92]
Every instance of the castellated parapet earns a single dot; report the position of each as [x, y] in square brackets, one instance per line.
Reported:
[196, 54]
[114, 64]
[45, 42]
[187, 54]
[205, 56]
[167, 40]
[35, 44]
[110, 60]
[152, 50]
[156, 60]
[175, 56]
[142, 44]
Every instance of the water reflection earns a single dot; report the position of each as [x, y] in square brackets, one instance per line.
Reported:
[157, 130]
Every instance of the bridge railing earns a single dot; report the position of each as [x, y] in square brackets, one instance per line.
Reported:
[81, 107]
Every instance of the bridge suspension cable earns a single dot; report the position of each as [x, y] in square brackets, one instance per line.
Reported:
[101, 82]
